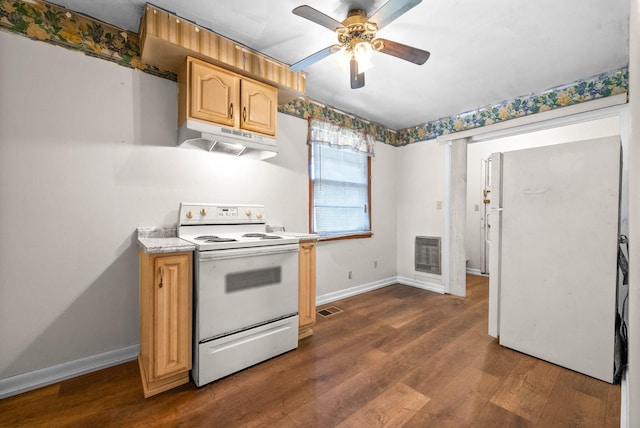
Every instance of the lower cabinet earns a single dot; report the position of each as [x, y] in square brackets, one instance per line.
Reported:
[165, 320]
[307, 288]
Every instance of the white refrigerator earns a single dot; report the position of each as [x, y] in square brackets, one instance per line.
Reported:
[553, 260]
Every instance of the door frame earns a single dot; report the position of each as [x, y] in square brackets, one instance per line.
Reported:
[484, 248]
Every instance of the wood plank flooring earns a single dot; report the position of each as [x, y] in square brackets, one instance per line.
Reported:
[394, 357]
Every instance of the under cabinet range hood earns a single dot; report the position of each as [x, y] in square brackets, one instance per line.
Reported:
[215, 138]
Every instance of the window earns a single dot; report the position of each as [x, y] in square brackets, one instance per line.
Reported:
[340, 181]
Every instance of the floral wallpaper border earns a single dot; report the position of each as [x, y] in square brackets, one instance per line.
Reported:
[599, 86]
[308, 109]
[53, 24]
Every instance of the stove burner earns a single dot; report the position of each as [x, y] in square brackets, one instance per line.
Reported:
[214, 238]
[254, 235]
[218, 239]
[261, 236]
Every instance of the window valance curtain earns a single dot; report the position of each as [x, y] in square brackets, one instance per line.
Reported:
[321, 132]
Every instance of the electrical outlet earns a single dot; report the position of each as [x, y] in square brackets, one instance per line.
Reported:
[350, 275]
[476, 207]
[438, 205]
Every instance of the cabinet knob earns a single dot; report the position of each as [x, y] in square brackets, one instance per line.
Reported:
[248, 213]
[190, 214]
[203, 211]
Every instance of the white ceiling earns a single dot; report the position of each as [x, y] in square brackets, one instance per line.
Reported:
[482, 51]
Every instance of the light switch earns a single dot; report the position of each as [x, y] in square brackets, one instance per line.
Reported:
[438, 205]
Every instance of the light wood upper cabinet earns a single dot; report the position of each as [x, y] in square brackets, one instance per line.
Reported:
[165, 320]
[213, 94]
[306, 288]
[259, 107]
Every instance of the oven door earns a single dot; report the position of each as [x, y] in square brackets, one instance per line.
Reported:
[237, 289]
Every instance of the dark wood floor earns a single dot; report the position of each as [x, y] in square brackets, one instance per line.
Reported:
[397, 356]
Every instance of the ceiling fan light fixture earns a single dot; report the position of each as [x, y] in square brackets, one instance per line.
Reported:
[343, 57]
[362, 52]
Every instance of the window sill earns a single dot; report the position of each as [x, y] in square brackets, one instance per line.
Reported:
[346, 236]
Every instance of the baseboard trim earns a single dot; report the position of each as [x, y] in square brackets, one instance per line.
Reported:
[353, 291]
[430, 286]
[18, 384]
[473, 271]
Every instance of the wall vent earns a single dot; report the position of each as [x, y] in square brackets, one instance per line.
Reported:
[428, 254]
[327, 312]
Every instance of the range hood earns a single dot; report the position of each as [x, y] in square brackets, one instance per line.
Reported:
[215, 138]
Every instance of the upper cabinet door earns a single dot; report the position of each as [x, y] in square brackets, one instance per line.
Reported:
[214, 95]
[259, 107]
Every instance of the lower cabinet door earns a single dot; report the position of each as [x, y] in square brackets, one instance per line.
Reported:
[307, 288]
[172, 320]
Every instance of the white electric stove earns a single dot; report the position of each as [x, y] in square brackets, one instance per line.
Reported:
[245, 288]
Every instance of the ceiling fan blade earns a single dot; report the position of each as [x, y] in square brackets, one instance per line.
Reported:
[313, 58]
[357, 79]
[408, 53]
[392, 10]
[316, 16]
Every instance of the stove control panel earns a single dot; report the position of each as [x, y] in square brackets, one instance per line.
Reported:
[227, 212]
[203, 213]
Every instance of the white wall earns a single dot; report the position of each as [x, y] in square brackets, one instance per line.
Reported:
[87, 155]
[421, 178]
[477, 151]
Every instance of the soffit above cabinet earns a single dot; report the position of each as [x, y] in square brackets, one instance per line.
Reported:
[166, 40]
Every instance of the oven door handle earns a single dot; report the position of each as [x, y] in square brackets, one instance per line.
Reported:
[247, 252]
